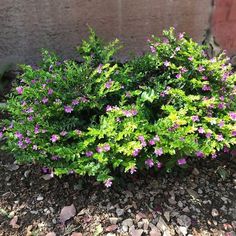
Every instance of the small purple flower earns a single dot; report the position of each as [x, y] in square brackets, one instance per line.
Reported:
[156, 138]
[43, 86]
[18, 135]
[108, 108]
[201, 130]
[220, 137]
[182, 161]
[208, 135]
[226, 149]
[158, 152]
[78, 132]
[166, 63]
[181, 36]
[99, 149]
[141, 138]
[35, 147]
[144, 144]
[68, 109]
[29, 110]
[75, 102]
[159, 165]
[133, 170]
[152, 142]
[206, 87]
[153, 49]
[200, 154]
[149, 162]
[50, 91]
[221, 106]
[27, 140]
[134, 112]
[45, 170]
[135, 152]
[183, 70]
[108, 183]
[204, 78]
[222, 98]
[44, 100]
[177, 49]
[63, 133]
[190, 58]
[20, 90]
[195, 118]
[108, 84]
[201, 69]
[233, 133]
[213, 156]
[106, 148]
[232, 115]
[99, 69]
[30, 118]
[165, 40]
[178, 76]
[89, 154]
[221, 124]
[55, 158]
[36, 129]
[1, 134]
[54, 138]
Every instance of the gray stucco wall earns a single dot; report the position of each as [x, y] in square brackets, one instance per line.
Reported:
[26, 26]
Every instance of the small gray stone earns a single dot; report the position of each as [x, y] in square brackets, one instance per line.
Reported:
[195, 172]
[120, 212]
[39, 198]
[167, 215]
[113, 220]
[127, 222]
[124, 228]
[184, 220]
[214, 212]
[180, 204]
[181, 230]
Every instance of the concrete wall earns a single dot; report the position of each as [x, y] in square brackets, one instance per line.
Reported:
[26, 26]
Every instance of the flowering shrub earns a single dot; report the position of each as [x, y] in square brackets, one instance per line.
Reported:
[154, 111]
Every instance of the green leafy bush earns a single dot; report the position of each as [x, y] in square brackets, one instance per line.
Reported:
[90, 118]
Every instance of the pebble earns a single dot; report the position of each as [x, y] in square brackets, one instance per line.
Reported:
[39, 198]
[127, 222]
[214, 212]
[113, 220]
[120, 212]
[184, 220]
[195, 172]
[167, 215]
[180, 204]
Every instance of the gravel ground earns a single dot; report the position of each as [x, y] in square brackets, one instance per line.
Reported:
[197, 201]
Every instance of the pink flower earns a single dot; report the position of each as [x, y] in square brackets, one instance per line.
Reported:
[78, 132]
[220, 137]
[178, 76]
[108, 84]
[183, 70]
[108, 183]
[214, 155]
[182, 161]
[30, 118]
[55, 158]
[44, 100]
[201, 130]
[204, 78]
[68, 109]
[27, 140]
[106, 147]
[35, 147]
[221, 124]
[20, 90]
[36, 129]
[190, 58]
[232, 115]
[233, 133]
[29, 110]
[18, 135]
[63, 133]
[75, 102]
[156, 138]
[159, 165]
[166, 63]
[201, 69]
[152, 142]
[99, 69]
[149, 162]
[221, 105]
[141, 138]
[208, 135]
[133, 170]
[135, 152]
[206, 87]
[181, 36]
[195, 118]
[1, 134]
[158, 152]
[153, 49]
[89, 153]
[54, 138]
[50, 91]
[99, 149]
[200, 154]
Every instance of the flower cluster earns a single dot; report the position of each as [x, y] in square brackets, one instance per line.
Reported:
[156, 111]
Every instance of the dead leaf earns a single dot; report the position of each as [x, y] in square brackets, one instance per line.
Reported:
[13, 222]
[111, 228]
[67, 213]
